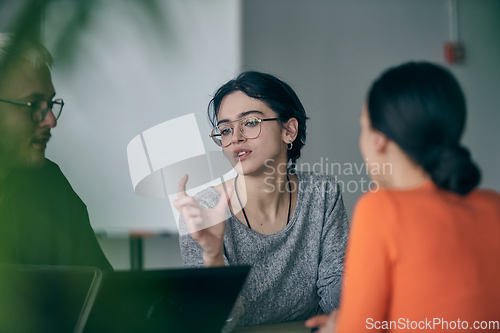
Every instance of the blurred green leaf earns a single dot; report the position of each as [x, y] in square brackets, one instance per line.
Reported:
[29, 21]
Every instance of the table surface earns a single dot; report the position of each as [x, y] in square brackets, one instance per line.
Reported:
[289, 327]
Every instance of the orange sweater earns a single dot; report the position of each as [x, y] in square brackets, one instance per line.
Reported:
[422, 257]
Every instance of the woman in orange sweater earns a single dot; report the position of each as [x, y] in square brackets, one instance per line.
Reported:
[424, 250]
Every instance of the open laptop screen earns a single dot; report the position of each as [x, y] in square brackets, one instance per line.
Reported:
[179, 300]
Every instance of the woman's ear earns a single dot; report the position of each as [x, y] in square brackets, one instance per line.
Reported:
[379, 141]
[290, 130]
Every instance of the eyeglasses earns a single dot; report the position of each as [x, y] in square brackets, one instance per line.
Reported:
[250, 128]
[39, 109]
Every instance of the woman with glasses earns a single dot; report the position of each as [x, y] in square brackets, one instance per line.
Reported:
[290, 226]
[423, 250]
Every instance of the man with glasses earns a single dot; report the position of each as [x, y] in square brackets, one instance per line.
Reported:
[42, 220]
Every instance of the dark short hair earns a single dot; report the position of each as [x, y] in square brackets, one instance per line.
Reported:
[278, 95]
[421, 107]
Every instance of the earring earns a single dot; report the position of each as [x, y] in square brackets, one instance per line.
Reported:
[289, 146]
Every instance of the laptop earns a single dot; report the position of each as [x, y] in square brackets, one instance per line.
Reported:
[54, 299]
[174, 300]
[58, 299]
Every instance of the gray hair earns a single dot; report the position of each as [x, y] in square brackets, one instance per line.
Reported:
[12, 50]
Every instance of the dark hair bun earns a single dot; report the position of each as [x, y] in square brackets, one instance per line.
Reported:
[451, 168]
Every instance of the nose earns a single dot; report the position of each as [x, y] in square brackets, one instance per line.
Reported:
[237, 134]
[49, 121]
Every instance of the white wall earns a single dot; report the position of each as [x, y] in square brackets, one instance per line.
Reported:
[127, 77]
[480, 78]
[331, 50]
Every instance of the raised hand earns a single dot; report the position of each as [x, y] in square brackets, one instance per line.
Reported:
[206, 226]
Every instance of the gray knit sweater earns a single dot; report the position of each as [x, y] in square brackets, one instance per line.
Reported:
[296, 273]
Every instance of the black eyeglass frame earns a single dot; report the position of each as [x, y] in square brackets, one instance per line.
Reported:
[33, 107]
[212, 135]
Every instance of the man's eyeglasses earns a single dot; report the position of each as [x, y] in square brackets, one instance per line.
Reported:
[39, 109]
[250, 128]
